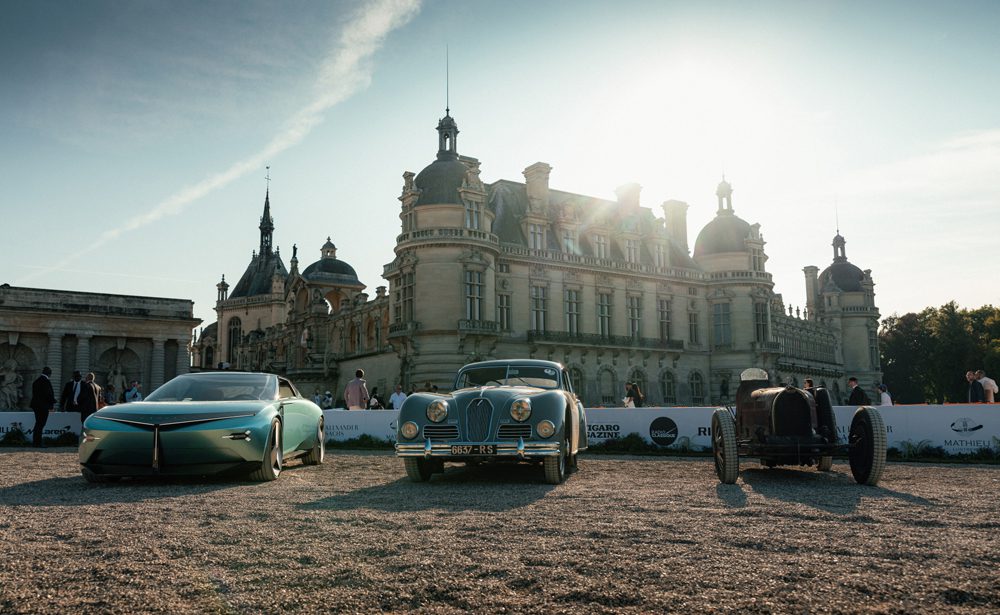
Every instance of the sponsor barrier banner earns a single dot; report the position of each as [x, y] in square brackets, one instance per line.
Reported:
[956, 428]
[58, 423]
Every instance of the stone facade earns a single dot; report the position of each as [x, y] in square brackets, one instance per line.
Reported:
[118, 337]
[517, 269]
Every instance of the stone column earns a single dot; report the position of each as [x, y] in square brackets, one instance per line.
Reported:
[83, 353]
[53, 359]
[156, 365]
[183, 358]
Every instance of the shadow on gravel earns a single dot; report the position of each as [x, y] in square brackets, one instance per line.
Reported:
[829, 491]
[487, 488]
[74, 491]
[732, 495]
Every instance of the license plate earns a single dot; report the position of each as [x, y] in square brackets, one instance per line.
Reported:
[474, 449]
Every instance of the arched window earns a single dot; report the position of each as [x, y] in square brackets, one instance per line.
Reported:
[235, 336]
[209, 357]
[607, 384]
[668, 387]
[697, 384]
[724, 389]
[354, 339]
[576, 380]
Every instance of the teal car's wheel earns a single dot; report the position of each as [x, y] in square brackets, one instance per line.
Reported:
[419, 470]
[317, 453]
[555, 466]
[273, 461]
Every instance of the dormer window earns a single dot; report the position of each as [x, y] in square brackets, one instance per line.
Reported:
[600, 246]
[632, 250]
[473, 214]
[536, 236]
[660, 254]
[569, 241]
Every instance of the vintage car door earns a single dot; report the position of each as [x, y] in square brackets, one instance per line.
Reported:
[580, 416]
[299, 424]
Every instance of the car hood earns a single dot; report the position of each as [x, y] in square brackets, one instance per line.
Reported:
[172, 413]
[497, 392]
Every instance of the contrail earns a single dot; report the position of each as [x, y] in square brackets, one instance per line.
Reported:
[345, 71]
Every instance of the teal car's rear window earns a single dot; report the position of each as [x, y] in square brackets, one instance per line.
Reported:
[217, 387]
[514, 375]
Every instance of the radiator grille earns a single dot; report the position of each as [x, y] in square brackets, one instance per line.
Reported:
[477, 419]
[441, 432]
[514, 431]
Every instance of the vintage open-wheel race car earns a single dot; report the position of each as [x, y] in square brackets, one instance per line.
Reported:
[786, 425]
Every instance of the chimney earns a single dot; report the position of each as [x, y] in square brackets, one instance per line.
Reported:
[675, 217]
[628, 196]
[536, 179]
[812, 292]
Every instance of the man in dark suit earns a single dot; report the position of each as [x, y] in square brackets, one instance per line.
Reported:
[858, 396]
[71, 393]
[43, 400]
[87, 400]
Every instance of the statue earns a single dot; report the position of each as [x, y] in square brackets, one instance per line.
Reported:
[11, 383]
[117, 379]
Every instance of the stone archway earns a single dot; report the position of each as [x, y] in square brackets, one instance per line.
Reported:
[118, 367]
[18, 365]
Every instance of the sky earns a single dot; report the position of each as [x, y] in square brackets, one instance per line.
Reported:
[135, 136]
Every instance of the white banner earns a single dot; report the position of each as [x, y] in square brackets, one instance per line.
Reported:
[911, 429]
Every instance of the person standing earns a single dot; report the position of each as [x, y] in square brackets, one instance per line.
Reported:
[86, 401]
[375, 403]
[977, 394]
[328, 401]
[989, 386]
[134, 393]
[318, 398]
[396, 399]
[71, 393]
[43, 400]
[883, 394]
[356, 392]
[636, 395]
[858, 396]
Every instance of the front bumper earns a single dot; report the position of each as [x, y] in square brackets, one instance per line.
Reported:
[505, 449]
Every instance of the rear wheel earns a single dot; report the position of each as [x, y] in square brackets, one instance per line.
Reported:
[419, 470]
[273, 461]
[727, 460]
[867, 446]
[555, 466]
[317, 453]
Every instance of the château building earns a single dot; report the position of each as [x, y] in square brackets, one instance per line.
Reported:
[519, 269]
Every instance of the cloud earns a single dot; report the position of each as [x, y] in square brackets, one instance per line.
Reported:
[346, 70]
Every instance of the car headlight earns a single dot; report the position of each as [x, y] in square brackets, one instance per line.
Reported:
[545, 429]
[520, 410]
[409, 430]
[437, 411]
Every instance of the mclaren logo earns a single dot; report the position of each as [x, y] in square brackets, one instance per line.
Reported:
[965, 425]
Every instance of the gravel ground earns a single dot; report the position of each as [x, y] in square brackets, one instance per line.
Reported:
[622, 535]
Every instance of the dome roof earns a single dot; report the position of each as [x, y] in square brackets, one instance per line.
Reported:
[331, 271]
[440, 181]
[725, 233]
[843, 275]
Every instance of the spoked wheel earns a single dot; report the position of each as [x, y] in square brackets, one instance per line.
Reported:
[727, 460]
[867, 446]
[273, 461]
[555, 466]
[317, 453]
[419, 470]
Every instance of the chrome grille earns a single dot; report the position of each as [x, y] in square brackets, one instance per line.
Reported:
[513, 431]
[441, 432]
[477, 419]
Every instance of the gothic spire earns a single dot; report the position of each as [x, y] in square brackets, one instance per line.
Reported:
[266, 221]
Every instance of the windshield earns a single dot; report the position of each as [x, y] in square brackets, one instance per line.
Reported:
[509, 375]
[217, 387]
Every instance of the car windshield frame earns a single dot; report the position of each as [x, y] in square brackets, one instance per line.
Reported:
[217, 387]
[517, 374]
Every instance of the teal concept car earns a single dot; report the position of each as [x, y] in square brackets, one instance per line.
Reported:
[205, 423]
[500, 411]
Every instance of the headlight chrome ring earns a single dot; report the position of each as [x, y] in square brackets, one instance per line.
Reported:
[409, 430]
[437, 411]
[520, 410]
[545, 429]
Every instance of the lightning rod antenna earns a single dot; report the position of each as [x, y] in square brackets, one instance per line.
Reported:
[447, 84]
